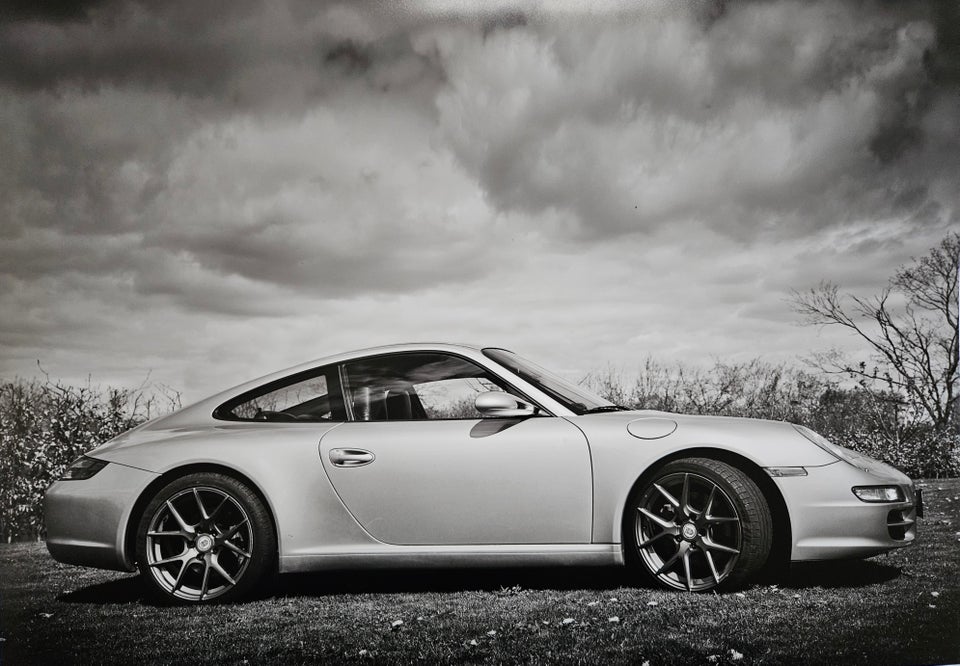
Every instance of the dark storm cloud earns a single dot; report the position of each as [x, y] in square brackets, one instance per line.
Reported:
[775, 117]
[235, 54]
[116, 43]
[193, 48]
[102, 102]
[53, 11]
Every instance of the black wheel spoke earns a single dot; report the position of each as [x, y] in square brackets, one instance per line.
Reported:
[670, 562]
[713, 545]
[685, 496]
[670, 498]
[203, 510]
[662, 522]
[229, 545]
[709, 507]
[647, 542]
[713, 566]
[216, 511]
[186, 527]
[184, 566]
[686, 570]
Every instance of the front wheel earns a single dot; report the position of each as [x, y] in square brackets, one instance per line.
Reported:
[205, 537]
[698, 524]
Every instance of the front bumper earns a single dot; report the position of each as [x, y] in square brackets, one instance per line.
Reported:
[829, 522]
[86, 520]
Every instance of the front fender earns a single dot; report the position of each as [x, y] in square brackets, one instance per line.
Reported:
[619, 458]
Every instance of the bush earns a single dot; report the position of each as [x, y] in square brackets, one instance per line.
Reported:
[878, 424]
[44, 426]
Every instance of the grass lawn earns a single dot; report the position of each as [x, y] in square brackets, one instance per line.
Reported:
[902, 608]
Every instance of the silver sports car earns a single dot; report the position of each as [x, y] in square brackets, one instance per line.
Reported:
[422, 455]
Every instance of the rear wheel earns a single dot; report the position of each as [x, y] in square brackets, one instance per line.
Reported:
[698, 524]
[205, 537]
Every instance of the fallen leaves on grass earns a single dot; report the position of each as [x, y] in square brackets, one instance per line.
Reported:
[732, 655]
[615, 619]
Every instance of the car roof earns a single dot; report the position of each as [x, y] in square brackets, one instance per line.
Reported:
[203, 407]
[387, 349]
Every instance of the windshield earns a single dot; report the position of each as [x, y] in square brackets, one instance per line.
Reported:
[573, 397]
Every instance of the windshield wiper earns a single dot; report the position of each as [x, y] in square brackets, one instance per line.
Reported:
[607, 408]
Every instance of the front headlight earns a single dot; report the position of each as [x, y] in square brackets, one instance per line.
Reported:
[859, 461]
[83, 468]
[878, 493]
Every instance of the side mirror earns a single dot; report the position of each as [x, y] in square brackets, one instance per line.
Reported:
[503, 405]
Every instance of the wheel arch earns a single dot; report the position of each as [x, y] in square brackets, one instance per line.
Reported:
[130, 533]
[782, 530]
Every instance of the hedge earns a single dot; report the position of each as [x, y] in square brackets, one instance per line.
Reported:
[44, 426]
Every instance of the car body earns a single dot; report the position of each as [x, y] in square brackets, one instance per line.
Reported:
[421, 455]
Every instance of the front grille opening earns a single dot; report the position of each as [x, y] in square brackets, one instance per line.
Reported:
[899, 524]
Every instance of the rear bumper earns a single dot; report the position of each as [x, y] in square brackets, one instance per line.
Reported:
[86, 520]
[829, 522]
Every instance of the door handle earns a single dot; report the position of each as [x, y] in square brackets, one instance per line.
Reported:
[350, 457]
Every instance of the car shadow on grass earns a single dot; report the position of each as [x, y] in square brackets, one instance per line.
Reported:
[452, 580]
[126, 590]
[839, 574]
[129, 589]
[844, 574]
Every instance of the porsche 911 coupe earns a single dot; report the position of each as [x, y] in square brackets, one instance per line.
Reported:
[425, 455]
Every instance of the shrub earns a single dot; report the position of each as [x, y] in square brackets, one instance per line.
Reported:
[876, 423]
[44, 426]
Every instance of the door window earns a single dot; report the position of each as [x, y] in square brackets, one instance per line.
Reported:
[415, 386]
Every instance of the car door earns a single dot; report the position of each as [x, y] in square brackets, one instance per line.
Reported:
[417, 464]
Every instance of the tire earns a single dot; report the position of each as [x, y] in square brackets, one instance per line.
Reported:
[699, 525]
[204, 538]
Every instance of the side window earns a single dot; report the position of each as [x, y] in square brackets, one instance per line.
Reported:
[404, 387]
[307, 398]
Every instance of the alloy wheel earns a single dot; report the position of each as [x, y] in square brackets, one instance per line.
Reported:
[687, 531]
[199, 543]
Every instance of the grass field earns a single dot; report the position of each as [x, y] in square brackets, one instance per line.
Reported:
[902, 608]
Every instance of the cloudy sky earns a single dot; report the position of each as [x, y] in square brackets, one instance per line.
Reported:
[211, 191]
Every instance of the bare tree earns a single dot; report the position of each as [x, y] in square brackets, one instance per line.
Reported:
[910, 329]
